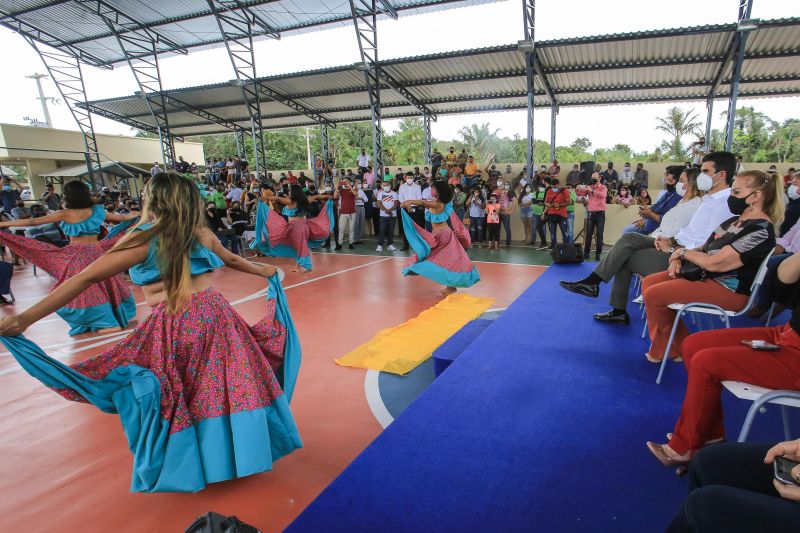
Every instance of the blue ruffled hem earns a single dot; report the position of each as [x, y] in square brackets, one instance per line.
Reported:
[442, 275]
[98, 316]
[261, 242]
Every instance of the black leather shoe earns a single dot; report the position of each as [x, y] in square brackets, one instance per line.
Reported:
[585, 289]
[623, 319]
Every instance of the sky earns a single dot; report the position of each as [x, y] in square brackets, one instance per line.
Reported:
[492, 24]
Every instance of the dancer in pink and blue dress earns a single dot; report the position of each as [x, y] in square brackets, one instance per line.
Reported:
[202, 396]
[296, 235]
[106, 306]
[439, 255]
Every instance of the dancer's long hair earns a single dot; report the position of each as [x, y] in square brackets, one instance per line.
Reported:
[174, 205]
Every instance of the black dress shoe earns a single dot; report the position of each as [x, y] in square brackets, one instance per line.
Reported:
[622, 319]
[585, 289]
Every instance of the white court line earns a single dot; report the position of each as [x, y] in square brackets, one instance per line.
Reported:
[78, 341]
[67, 353]
[374, 400]
[58, 319]
[406, 257]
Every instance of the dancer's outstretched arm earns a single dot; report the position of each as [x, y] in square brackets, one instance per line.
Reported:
[52, 218]
[104, 267]
[117, 218]
[207, 237]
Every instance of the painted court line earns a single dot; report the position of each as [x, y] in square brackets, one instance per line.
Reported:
[76, 341]
[63, 355]
[374, 400]
[406, 257]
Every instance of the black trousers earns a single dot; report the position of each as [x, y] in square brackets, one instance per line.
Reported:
[730, 489]
[596, 221]
[494, 231]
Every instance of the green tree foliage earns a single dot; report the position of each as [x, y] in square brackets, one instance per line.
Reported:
[677, 124]
[758, 138]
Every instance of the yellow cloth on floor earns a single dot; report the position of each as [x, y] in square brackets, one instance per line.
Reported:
[401, 349]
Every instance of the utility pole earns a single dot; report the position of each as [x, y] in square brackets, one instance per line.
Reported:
[308, 151]
[42, 98]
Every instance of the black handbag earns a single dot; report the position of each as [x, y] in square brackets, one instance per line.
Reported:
[692, 272]
[217, 523]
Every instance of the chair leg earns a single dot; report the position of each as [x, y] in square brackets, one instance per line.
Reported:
[769, 315]
[665, 358]
[644, 328]
[787, 431]
[34, 270]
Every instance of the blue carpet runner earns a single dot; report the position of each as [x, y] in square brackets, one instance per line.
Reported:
[445, 354]
[539, 426]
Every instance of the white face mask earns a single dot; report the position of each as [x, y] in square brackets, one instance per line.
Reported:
[410, 181]
[680, 188]
[793, 192]
[387, 188]
[705, 182]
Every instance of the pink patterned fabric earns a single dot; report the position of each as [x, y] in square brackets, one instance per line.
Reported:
[448, 247]
[297, 233]
[63, 263]
[209, 362]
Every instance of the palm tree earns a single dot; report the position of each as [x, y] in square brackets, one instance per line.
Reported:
[678, 123]
[480, 141]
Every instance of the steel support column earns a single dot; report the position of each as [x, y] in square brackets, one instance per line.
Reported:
[365, 15]
[745, 8]
[426, 130]
[236, 28]
[529, 17]
[324, 143]
[553, 115]
[240, 144]
[140, 47]
[65, 70]
[709, 115]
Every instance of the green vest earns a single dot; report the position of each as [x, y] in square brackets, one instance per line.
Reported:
[538, 202]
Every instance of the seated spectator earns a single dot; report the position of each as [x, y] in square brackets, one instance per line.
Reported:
[45, 232]
[792, 213]
[787, 179]
[20, 211]
[609, 177]
[624, 198]
[238, 218]
[644, 198]
[714, 356]
[644, 255]
[641, 178]
[650, 217]
[215, 222]
[51, 198]
[727, 263]
[732, 487]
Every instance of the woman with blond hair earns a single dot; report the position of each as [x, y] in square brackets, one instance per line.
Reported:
[202, 396]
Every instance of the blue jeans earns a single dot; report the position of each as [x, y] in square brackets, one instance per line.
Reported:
[460, 212]
[506, 221]
[764, 298]
[476, 229]
[6, 271]
[538, 226]
[232, 241]
[571, 225]
[557, 221]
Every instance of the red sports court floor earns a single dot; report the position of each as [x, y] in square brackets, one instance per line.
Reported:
[66, 466]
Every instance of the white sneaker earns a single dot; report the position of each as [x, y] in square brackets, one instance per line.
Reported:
[391, 248]
[379, 248]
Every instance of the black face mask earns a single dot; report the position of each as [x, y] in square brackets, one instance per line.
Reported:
[670, 188]
[738, 205]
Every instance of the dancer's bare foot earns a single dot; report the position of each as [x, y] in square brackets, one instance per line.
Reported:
[109, 330]
[447, 291]
[304, 271]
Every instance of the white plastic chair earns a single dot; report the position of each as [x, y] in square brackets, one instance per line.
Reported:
[761, 396]
[710, 309]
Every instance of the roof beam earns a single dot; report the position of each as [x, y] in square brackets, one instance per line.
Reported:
[723, 66]
[202, 113]
[403, 91]
[537, 67]
[294, 104]
[28, 30]
[388, 8]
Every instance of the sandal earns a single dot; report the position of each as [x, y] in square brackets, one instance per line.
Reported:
[658, 450]
[658, 361]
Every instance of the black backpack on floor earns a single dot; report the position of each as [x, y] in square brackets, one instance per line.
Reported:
[216, 523]
[567, 253]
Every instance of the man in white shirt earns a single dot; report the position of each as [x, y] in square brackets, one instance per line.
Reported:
[363, 161]
[427, 195]
[235, 194]
[699, 151]
[386, 200]
[411, 191]
[361, 199]
[641, 254]
[626, 176]
[155, 169]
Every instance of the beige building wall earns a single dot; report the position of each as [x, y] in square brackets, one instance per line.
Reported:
[138, 151]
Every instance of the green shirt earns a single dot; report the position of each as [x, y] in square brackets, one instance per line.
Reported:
[538, 203]
[573, 197]
[219, 200]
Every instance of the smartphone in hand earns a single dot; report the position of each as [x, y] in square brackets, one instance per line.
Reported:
[783, 471]
[762, 346]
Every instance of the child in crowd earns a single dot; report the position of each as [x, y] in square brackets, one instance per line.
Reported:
[476, 205]
[644, 198]
[624, 197]
[493, 222]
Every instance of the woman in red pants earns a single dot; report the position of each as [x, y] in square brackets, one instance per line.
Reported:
[728, 261]
[712, 357]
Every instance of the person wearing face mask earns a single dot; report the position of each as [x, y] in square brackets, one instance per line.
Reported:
[731, 256]
[387, 201]
[556, 202]
[476, 204]
[650, 216]
[493, 222]
[508, 202]
[624, 197]
[537, 218]
[792, 213]
[595, 216]
[361, 200]
[439, 255]
[10, 192]
[626, 176]
[459, 202]
[526, 210]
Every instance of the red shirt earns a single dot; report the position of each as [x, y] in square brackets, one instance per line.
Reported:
[347, 202]
[560, 197]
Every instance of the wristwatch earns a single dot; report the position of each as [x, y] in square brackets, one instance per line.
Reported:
[682, 253]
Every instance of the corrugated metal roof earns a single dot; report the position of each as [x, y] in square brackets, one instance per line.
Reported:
[667, 65]
[116, 168]
[180, 24]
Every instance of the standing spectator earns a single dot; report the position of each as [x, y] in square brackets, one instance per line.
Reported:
[627, 176]
[462, 158]
[347, 212]
[368, 177]
[470, 172]
[363, 160]
[493, 222]
[537, 220]
[574, 176]
[181, 166]
[641, 178]
[155, 169]
[361, 213]
[436, 162]
[386, 200]
[8, 194]
[371, 212]
[214, 220]
[476, 205]
[596, 215]
[51, 199]
[699, 150]
[451, 157]
[555, 169]
[319, 168]
[739, 165]
[609, 177]
[556, 202]
[788, 177]
[526, 210]
[508, 202]
[409, 190]
[573, 197]
[460, 202]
